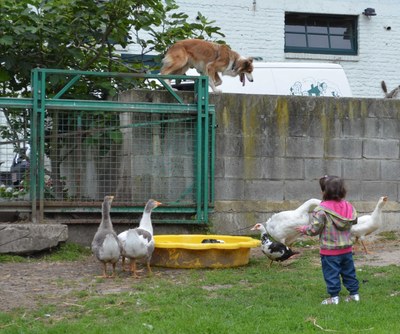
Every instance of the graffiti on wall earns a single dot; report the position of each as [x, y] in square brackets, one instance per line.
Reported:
[312, 87]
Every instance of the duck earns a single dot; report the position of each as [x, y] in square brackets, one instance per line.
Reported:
[105, 245]
[138, 243]
[281, 226]
[275, 251]
[368, 224]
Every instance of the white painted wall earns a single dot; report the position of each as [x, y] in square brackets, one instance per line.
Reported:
[256, 28]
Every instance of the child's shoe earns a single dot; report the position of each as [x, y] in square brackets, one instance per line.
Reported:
[353, 298]
[331, 300]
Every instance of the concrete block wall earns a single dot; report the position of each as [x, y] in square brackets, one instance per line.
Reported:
[256, 28]
[271, 151]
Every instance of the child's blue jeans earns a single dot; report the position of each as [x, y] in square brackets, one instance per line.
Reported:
[336, 266]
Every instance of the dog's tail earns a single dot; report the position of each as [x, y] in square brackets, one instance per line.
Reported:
[393, 93]
[175, 60]
[166, 63]
[384, 88]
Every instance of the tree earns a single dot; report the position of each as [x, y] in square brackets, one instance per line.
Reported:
[83, 35]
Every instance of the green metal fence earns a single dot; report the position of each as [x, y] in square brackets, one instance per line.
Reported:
[81, 150]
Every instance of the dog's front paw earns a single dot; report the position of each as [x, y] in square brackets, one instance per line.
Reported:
[217, 91]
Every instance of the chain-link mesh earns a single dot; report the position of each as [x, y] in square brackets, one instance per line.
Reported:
[14, 155]
[131, 155]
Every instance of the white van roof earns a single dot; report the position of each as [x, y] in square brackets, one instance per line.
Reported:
[290, 78]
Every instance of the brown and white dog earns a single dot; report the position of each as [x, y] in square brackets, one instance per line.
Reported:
[208, 59]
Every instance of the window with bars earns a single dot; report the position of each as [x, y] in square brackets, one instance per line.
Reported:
[323, 34]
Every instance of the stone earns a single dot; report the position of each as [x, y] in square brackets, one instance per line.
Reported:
[30, 238]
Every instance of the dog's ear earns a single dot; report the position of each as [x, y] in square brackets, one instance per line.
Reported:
[244, 65]
[248, 65]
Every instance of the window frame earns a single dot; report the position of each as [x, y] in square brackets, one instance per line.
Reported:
[329, 35]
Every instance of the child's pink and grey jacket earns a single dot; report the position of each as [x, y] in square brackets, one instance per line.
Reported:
[332, 220]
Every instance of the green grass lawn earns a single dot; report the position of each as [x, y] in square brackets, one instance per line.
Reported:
[249, 299]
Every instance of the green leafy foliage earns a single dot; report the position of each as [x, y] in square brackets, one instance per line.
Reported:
[82, 35]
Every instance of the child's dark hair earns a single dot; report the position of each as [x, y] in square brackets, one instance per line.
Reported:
[333, 188]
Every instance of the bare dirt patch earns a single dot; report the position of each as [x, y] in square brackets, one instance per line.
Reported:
[30, 285]
[383, 253]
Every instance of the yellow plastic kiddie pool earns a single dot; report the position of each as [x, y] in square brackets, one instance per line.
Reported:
[202, 251]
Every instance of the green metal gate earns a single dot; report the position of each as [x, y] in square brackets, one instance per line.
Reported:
[82, 150]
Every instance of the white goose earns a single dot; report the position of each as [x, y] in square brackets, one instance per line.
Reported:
[138, 243]
[281, 226]
[368, 223]
[105, 245]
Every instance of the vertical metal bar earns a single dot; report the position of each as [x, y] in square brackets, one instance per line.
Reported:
[206, 141]
[78, 168]
[33, 144]
[199, 213]
[42, 109]
[212, 155]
